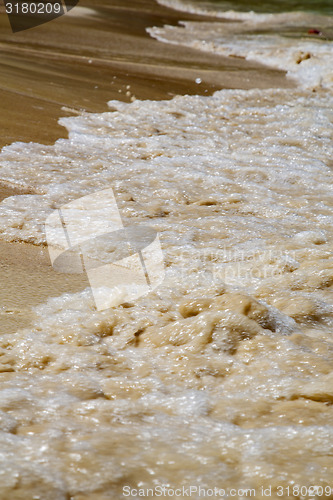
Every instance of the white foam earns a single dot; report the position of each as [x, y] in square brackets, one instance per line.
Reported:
[282, 17]
[227, 364]
[305, 59]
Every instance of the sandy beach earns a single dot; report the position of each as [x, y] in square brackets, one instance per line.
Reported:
[76, 64]
[199, 203]
[88, 57]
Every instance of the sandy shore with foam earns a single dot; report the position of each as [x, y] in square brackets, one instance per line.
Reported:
[221, 376]
[76, 64]
[82, 60]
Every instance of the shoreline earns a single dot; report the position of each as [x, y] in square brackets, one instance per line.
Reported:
[223, 207]
[78, 63]
[67, 80]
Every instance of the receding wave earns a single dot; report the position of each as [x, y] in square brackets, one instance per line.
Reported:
[223, 375]
[285, 41]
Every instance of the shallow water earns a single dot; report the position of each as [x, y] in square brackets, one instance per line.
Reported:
[221, 377]
[265, 6]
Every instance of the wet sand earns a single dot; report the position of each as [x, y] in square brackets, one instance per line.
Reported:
[87, 57]
[75, 64]
[205, 384]
[27, 279]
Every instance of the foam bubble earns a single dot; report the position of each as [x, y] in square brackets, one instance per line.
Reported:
[226, 365]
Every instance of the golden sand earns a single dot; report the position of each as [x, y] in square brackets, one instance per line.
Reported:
[78, 63]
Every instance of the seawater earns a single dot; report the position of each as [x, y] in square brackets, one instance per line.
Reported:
[222, 377]
[261, 6]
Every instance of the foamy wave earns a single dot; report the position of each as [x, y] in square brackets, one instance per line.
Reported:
[306, 60]
[148, 149]
[237, 341]
[241, 16]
